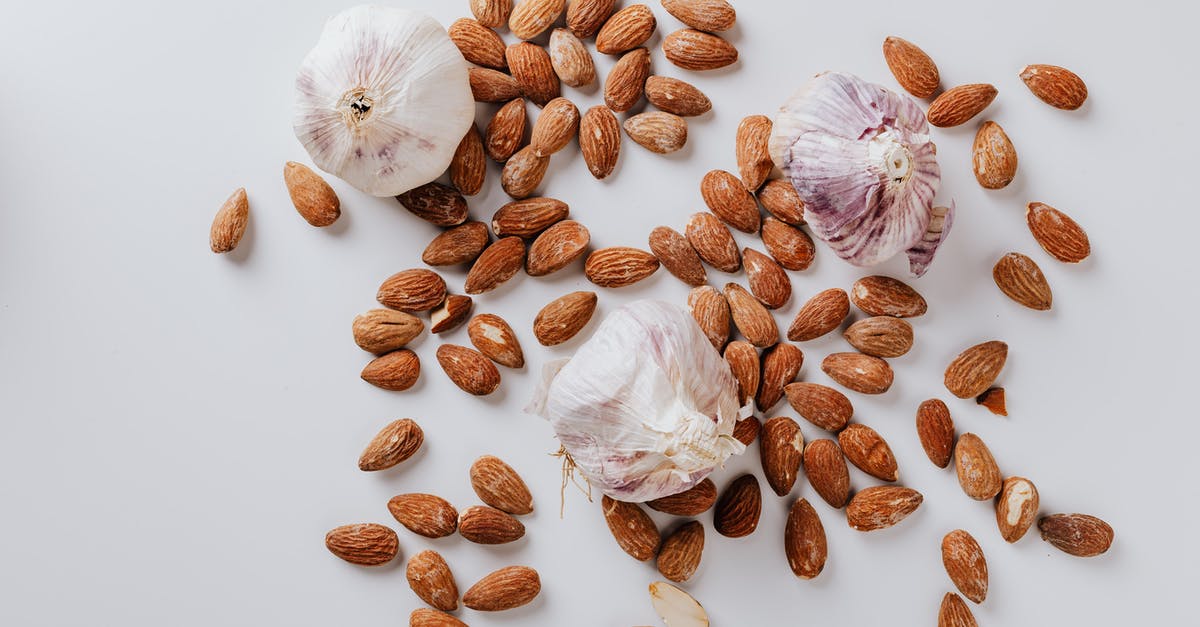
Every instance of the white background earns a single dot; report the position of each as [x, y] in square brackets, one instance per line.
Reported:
[179, 429]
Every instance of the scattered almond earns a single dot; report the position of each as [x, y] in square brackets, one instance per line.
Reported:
[868, 451]
[881, 336]
[557, 247]
[823, 406]
[780, 199]
[230, 222]
[531, 17]
[657, 131]
[695, 50]
[714, 243]
[975, 369]
[504, 589]
[804, 540]
[677, 256]
[1056, 86]
[993, 400]
[424, 514]
[571, 60]
[366, 544]
[879, 507]
[965, 564]
[884, 296]
[437, 204]
[754, 161]
[626, 29]
[744, 363]
[768, 282]
[958, 105]
[487, 525]
[675, 96]
[790, 246]
[781, 447]
[523, 173]
[528, 217]
[396, 371]
[711, 311]
[491, 13]
[1057, 233]
[492, 336]
[556, 126]
[488, 85]
[711, 16]
[913, 69]
[531, 67]
[738, 509]
[752, 320]
[978, 473]
[681, 551]
[497, 264]
[955, 613]
[859, 372]
[827, 473]
[498, 485]
[382, 331]
[1080, 535]
[429, 617]
[727, 197]
[505, 130]
[935, 429]
[691, 502]
[430, 578]
[452, 312]
[627, 79]
[780, 365]
[478, 43]
[822, 313]
[468, 369]
[631, 527]
[461, 244]
[396, 442]
[746, 430]
[585, 17]
[313, 198]
[565, 316]
[619, 266]
[1016, 508]
[600, 140]
[993, 156]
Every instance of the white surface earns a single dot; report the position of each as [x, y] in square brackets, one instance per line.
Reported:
[179, 429]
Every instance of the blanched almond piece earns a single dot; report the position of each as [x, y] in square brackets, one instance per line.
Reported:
[1057, 233]
[230, 222]
[469, 369]
[492, 336]
[557, 247]
[780, 199]
[879, 507]
[713, 242]
[753, 159]
[600, 140]
[313, 198]
[728, 198]
[523, 173]
[822, 313]
[711, 312]
[695, 50]
[564, 317]
[744, 363]
[657, 131]
[396, 371]
[790, 246]
[396, 442]
[619, 266]
[677, 256]
[712, 16]
[868, 451]
[382, 331]
[556, 126]
[978, 473]
[804, 540]
[752, 320]
[675, 96]
[627, 80]
[823, 406]
[504, 132]
[461, 244]
[626, 29]
[497, 264]
[570, 58]
[768, 282]
[780, 365]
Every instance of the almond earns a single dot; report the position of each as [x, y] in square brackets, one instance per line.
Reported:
[366, 544]
[505, 130]
[626, 29]
[631, 527]
[503, 589]
[627, 80]
[313, 198]
[993, 400]
[827, 472]
[461, 244]
[1080, 535]
[978, 473]
[492, 13]
[396, 442]
[523, 173]
[885, 296]
[531, 67]
[571, 60]
[676, 607]
[428, 617]
[487, 525]
[790, 246]
[879, 507]
[913, 69]
[804, 540]
[768, 282]
[1056, 86]
[965, 564]
[677, 256]
[396, 371]
[955, 613]
[781, 448]
[935, 429]
[744, 363]
[681, 551]
[752, 320]
[382, 331]
[230, 222]
[556, 126]
[452, 312]
[691, 502]
[859, 372]
[974, 370]
[468, 369]
[868, 451]
[565, 316]
[657, 131]
[600, 140]
[488, 85]
[675, 96]
[753, 159]
[619, 266]
[498, 485]
[1016, 508]
[881, 336]
[695, 50]
[780, 365]
[1057, 233]
[993, 156]
[780, 199]
[531, 17]
[822, 313]
[711, 311]
[746, 430]
[557, 247]
[714, 243]
[528, 217]
[728, 199]
[958, 105]
[430, 578]
[437, 204]
[424, 514]
[497, 264]
[707, 15]
[738, 508]
[478, 43]
[823, 406]
[585, 17]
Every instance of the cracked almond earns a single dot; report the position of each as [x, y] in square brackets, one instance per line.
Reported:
[1016, 508]
[450, 314]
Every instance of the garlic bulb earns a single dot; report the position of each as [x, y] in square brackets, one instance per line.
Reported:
[383, 99]
[646, 407]
[861, 159]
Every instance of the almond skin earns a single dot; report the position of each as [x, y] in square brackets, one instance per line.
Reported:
[1016, 508]
[531, 67]
[780, 199]
[450, 314]
[557, 247]
[528, 217]
[781, 448]
[396, 442]
[727, 197]
[523, 173]
[1056, 86]
[657, 131]
[313, 198]
[429, 617]
[993, 400]
[469, 369]
[1057, 233]
[571, 60]
[955, 613]
[487, 525]
[677, 256]
[790, 246]
[619, 266]
[631, 527]
[396, 371]
[691, 502]
[750, 142]
[965, 564]
[564, 317]
[365, 544]
[424, 514]
[461, 244]
[822, 313]
[492, 13]
[975, 369]
[626, 29]
[768, 282]
[958, 105]
[504, 132]
[691, 49]
[879, 507]
[498, 485]
[430, 578]
[823, 406]
[230, 222]
[804, 540]
[585, 17]
[497, 264]
[884, 296]
[977, 471]
[478, 43]
[914, 70]
[382, 331]
[861, 373]
[739, 507]
[711, 16]
[675, 96]
[681, 551]
[746, 430]
[868, 451]
[556, 126]
[993, 157]
[600, 140]
[881, 336]
[627, 80]
[493, 337]
[780, 365]
[826, 470]
[532, 17]
[1080, 535]
[935, 429]
[504, 589]
[752, 320]
[488, 85]
[437, 204]
[714, 243]
[711, 312]
[744, 363]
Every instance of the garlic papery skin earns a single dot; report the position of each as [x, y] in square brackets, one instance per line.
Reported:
[383, 99]
[646, 407]
[861, 159]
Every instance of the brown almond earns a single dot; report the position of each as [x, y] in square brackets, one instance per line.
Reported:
[781, 200]
[780, 365]
[396, 442]
[790, 246]
[430, 578]
[958, 105]
[523, 173]
[752, 320]
[804, 540]
[468, 167]
[600, 140]
[366, 544]
[498, 485]
[528, 217]
[556, 126]
[993, 399]
[627, 80]
[675, 96]
[461, 244]
[450, 314]
[1080, 535]
[396, 371]
[975, 369]
[681, 551]
[505, 130]
[230, 222]
[822, 313]
[879, 507]
[884, 296]
[429, 617]
[1016, 508]
[993, 157]
[955, 613]
[437, 204]
[823, 406]
[781, 449]
[711, 312]
[691, 49]
[492, 13]
[691, 502]
[965, 564]
[557, 247]
[487, 525]
[619, 266]
[750, 142]
[935, 429]
[657, 131]
[881, 336]
[382, 331]
[677, 256]
[739, 507]
[977, 471]
[564, 317]
[913, 69]
[826, 470]
[744, 363]
[626, 29]
[488, 85]
[530, 18]
[497, 264]
[585, 17]
[714, 243]
[503, 589]
[728, 198]
[531, 67]
[424, 514]
[711, 16]
[746, 430]
[859, 372]
[1056, 86]
[478, 43]
[1057, 233]
[868, 451]
[492, 336]
[768, 282]
[469, 369]
[571, 60]
[313, 198]
[631, 527]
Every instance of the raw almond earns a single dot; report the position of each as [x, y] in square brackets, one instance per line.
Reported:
[1056, 86]
[859, 372]
[868, 451]
[935, 429]
[366, 544]
[488, 85]
[993, 157]
[822, 313]
[437, 204]
[523, 173]
[955, 613]
[681, 551]
[531, 67]
[556, 126]
[913, 69]
[881, 336]
[826, 470]
[498, 485]
[977, 471]
[396, 371]
[714, 243]
[492, 13]
[382, 331]
[631, 527]
[571, 60]
[487, 525]
[424, 514]
[557, 247]
[691, 49]
[975, 369]
[752, 320]
[780, 365]
[744, 363]
[823, 406]
[497, 264]
[565, 316]
[691, 502]
[780, 199]
[230, 222]
[746, 430]
[728, 198]
[396, 442]
[712, 16]
[711, 311]
[505, 130]
[677, 256]
[429, 617]
[768, 282]
[626, 29]
[675, 96]
[430, 578]
[1057, 233]
[528, 217]
[790, 246]
[461, 244]
[739, 507]
[1016, 508]
[452, 312]
[504, 589]
[478, 43]
[469, 369]
[627, 80]
[965, 564]
[531, 17]
[958, 105]
[884, 296]
[804, 540]
[600, 140]
[585, 17]
[1080, 535]
[993, 400]
[879, 507]
[657, 131]
[619, 266]
[753, 159]
[492, 336]
[313, 198]
[781, 448]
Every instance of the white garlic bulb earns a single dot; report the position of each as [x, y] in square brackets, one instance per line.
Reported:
[646, 407]
[383, 99]
[861, 159]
